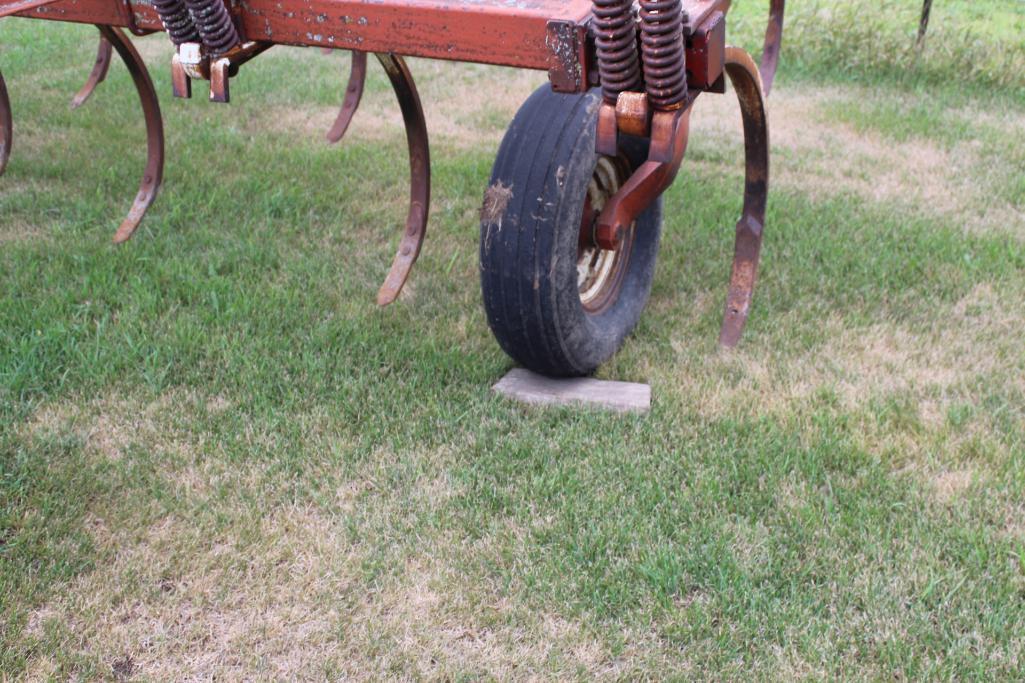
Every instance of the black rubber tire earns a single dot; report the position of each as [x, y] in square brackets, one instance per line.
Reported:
[530, 228]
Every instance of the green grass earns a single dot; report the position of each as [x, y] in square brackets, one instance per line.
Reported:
[974, 48]
[219, 458]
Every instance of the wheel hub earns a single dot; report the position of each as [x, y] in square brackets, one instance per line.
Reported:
[600, 271]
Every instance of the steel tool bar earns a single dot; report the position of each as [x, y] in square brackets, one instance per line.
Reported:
[516, 35]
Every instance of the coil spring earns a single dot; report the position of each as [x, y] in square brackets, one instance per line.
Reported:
[618, 62]
[663, 53]
[174, 15]
[214, 24]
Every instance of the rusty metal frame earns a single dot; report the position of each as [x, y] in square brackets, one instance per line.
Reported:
[514, 34]
[21, 6]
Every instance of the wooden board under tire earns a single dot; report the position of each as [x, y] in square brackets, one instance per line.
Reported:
[528, 387]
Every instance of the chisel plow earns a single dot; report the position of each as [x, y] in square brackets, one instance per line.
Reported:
[572, 217]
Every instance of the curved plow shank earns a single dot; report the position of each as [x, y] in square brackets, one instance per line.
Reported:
[6, 126]
[154, 173]
[743, 73]
[353, 95]
[773, 43]
[419, 177]
[100, 68]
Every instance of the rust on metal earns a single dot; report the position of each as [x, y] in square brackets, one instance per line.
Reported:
[181, 82]
[353, 96]
[663, 53]
[130, 22]
[154, 172]
[619, 60]
[706, 48]
[215, 26]
[743, 73]
[419, 178]
[510, 34]
[698, 12]
[225, 67]
[607, 138]
[193, 61]
[567, 45]
[100, 68]
[633, 114]
[670, 132]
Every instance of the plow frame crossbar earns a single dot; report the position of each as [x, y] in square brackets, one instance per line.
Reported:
[544, 35]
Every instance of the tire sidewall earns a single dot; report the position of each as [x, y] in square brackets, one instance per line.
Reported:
[590, 339]
[529, 246]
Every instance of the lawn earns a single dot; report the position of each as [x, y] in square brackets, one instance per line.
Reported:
[218, 457]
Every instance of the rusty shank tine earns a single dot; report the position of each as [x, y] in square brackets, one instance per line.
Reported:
[743, 73]
[100, 68]
[419, 177]
[154, 172]
[6, 126]
[353, 95]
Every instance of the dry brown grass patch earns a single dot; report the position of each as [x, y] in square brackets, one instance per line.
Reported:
[951, 485]
[19, 230]
[186, 603]
[938, 366]
[283, 594]
[112, 424]
[458, 119]
[821, 158]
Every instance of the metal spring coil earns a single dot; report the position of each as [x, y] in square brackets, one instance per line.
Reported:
[618, 62]
[663, 53]
[174, 15]
[215, 26]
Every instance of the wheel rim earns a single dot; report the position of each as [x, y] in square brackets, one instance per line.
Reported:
[600, 271]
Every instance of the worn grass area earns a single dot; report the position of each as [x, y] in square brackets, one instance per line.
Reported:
[219, 459]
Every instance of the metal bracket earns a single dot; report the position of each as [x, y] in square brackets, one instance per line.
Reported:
[567, 42]
[191, 62]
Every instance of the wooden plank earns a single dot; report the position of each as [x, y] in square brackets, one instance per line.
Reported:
[528, 387]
